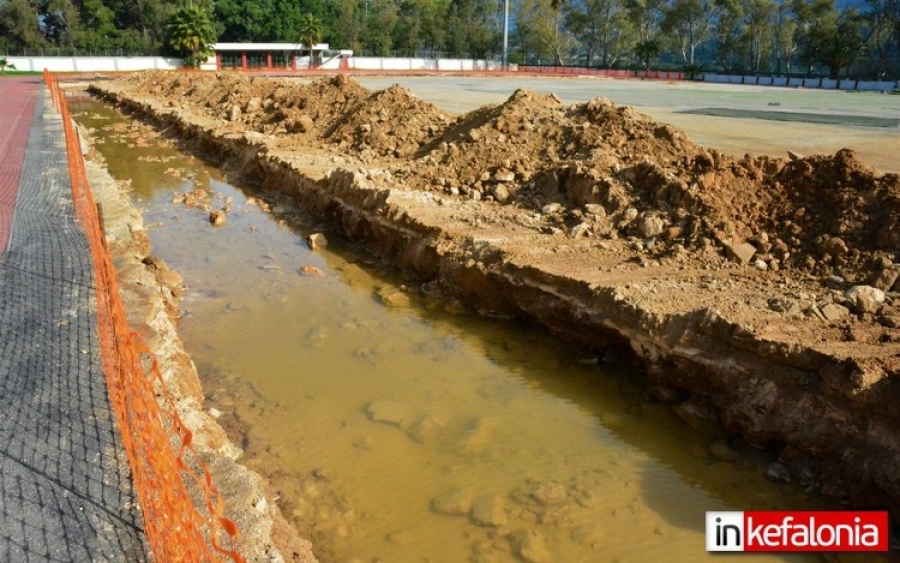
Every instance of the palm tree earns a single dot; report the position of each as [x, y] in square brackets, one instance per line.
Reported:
[191, 35]
[647, 51]
[310, 32]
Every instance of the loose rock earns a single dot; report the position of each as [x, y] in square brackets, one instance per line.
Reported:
[741, 253]
[453, 503]
[311, 271]
[217, 218]
[388, 412]
[530, 546]
[316, 241]
[833, 312]
[489, 511]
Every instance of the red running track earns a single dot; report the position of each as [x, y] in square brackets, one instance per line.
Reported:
[18, 98]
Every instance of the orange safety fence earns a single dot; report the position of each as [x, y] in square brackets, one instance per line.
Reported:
[157, 443]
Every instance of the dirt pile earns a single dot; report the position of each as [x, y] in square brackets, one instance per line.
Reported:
[391, 122]
[336, 110]
[606, 171]
[593, 170]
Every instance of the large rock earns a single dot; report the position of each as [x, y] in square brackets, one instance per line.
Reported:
[253, 105]
[741, 253]
[453, 503]
[835, 247]
[833, 312]
[530, 546]
[588, 535]
[393, 297]
[489, 511]
[501, 194]
[867, 299]
[316, 241]
[304, 124]
[887, 278]
[217, 218]
[651, 226]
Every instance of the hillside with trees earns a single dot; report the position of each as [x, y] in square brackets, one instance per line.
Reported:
[800, 37]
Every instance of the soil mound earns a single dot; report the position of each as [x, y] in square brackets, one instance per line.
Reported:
[391, 122]
[589, 170]
[603, 169]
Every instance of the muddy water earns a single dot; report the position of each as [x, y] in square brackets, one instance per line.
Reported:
[401, 428]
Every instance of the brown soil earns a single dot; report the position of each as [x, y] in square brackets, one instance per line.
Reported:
[729, 278]
[532, 151]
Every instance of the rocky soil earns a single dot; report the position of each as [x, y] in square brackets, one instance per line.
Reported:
[761, 293]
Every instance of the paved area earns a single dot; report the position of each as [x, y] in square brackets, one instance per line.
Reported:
[65, 486]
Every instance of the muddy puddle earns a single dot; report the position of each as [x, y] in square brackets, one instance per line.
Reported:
[400, 428]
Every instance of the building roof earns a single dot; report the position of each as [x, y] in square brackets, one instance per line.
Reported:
[267, 47]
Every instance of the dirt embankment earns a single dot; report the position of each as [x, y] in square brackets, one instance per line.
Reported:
[757, 292]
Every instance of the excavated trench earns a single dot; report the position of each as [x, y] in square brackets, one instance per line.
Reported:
[705, 346]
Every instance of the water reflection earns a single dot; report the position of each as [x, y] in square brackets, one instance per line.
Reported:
[397, 427]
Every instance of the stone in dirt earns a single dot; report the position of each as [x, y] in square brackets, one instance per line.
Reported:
[217, 218]
[651, 226]
[316, 241]
[866, 298]
[489, 511]
[393, 297]
[427, 429]
[530, 546]
[551, 492]
[452, 503]
[311, 271]
[388, 412]
[741, 253]
[834, 312]
[588, 535]
[887, 278]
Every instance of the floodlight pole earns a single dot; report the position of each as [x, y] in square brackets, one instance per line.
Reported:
[505, 33]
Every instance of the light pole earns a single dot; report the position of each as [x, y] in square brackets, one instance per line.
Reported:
[505, 34]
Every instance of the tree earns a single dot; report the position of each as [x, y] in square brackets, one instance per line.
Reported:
[831, 37]
[380, 21]
[310, 30]
[645, 16]
[785, 46]
[20, 25]
[420, 25]
[541, 30]
[472, 29]
[191, 35]
[759, 23]
[691, 22]
[598, 25]
[256, 20]
[646, 51]
[349, 34]
[728, 32]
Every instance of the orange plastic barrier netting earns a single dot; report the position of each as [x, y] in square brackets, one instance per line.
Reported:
[160, 464]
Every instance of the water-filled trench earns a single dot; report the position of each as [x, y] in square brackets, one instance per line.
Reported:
[396, 427]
